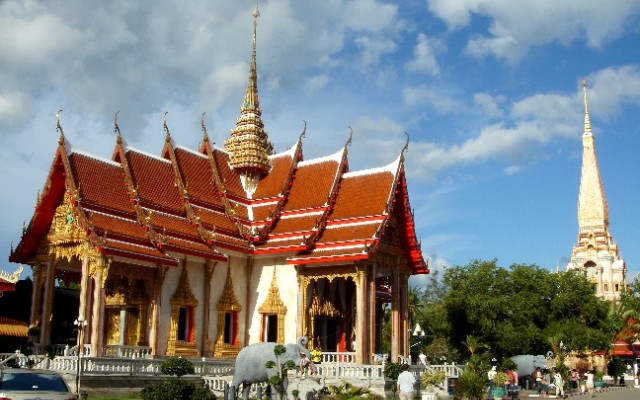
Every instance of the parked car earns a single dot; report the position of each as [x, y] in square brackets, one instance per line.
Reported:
[22, 384]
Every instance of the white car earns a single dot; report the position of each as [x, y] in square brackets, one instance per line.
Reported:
[24, 383]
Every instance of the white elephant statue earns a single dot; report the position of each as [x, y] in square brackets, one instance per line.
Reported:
[250, 365]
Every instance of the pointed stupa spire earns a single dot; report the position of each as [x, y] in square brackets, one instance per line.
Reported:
[587, 121]
[249, 146]
[592, 204]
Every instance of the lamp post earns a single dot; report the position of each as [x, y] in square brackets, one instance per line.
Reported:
[80, 324]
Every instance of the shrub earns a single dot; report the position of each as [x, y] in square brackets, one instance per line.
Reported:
[432, 378]
[177, 366]
[176, 389]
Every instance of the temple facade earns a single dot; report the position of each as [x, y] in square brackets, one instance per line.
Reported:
[595, 253]
[203, 251]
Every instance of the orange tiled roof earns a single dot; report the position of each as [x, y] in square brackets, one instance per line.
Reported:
[13, 327]
[154, 208]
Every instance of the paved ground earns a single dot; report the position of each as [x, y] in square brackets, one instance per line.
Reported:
[610, 393]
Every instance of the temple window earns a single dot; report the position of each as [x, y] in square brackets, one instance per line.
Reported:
[269, 327]
[272, 312]
[606, 287]
[230, 327]
[185, 324]
[228, 342]
[182, 337]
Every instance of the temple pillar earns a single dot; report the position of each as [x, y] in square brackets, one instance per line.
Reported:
[35, 317]
[205, 344]
[47, 302]
[404, 323]
[83, 307]
[371, 313]
[361, 317]
[97, 318]
[395, 315]
[156, 307]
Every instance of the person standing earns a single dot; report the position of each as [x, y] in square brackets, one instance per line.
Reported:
[491, 376]
[422, 359]
[558, 381]
[589, 383]
[406, 380]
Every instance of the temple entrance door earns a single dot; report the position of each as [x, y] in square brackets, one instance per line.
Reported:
[330, 332]
[121, 326]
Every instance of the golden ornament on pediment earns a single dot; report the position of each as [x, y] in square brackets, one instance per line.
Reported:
[273, 304]
[228, 300]
[183, 295]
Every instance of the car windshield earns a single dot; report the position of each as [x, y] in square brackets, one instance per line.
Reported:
[32, 382]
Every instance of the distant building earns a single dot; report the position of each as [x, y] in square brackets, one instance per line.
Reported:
[203, 251]
[595, 253]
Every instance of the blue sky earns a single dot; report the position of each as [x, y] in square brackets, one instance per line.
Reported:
[488, 91]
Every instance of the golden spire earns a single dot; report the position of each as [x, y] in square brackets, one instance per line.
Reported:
[249, 147]
[587, 121]
[592, 203]
[59, 128]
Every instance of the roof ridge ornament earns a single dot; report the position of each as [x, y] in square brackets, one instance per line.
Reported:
[304, 131]
[205, 135]
[587, 120]
[167, 137]
[406, 146]
[116, 128]
[59, 128]
[350, 140]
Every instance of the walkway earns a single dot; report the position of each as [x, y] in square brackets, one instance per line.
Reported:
[609, 393]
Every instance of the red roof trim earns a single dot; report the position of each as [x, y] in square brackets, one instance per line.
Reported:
[328, 259]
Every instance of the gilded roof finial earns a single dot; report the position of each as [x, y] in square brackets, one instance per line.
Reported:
[59, 128]
[205, 137]
[167, 137]
[406, 145]
[350, 137]
[304, 130]
[116, 128]
[587, 121]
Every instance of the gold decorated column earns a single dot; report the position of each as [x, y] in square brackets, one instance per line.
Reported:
[100, 274]
[205, 345]
[83, 308]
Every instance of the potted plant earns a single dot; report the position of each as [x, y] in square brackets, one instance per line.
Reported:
[597, 380]
[429, 380]
[499, 382]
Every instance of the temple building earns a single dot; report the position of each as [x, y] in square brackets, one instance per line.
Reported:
[200, 252]
[595, 253]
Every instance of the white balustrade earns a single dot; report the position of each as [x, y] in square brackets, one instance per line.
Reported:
[338, 357]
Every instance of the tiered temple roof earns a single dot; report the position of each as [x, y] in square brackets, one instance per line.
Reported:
[214, 202]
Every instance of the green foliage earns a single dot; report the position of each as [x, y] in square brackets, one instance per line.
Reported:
[176, 389]
[392, 370]
[432, 378]
[177, 366]
[616, 367]
[471, 385]
[347, 391]
[279, 350]
[290, 364]
[270, 364]
[501, 378]
[515, 310]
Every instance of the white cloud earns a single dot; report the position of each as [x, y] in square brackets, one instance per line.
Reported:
[424, 57]
[526, 125]
[423, 95]
[516, 26]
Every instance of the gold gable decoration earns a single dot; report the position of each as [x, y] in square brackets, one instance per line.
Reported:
[273, 304]
[183, 296]
[66, 235]
[227, 303]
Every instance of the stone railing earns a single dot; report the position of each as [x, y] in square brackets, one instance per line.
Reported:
[338, 357]
[126, 351]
